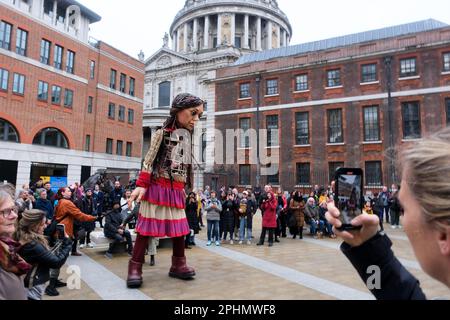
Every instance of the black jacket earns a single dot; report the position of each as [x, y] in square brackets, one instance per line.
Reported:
[191, 215]
[43, 259]
[46, 206]
[396, 282]
[88, 206]
[114, 220]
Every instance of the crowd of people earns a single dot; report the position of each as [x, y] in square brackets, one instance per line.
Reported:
[227, 215]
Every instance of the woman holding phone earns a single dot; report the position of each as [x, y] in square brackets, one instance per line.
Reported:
[425, 197]
[36, 251]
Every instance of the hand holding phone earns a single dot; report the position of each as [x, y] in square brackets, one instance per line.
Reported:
[349, 197]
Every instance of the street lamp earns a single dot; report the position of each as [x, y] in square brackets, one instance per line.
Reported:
[258, 160]
[391, 153]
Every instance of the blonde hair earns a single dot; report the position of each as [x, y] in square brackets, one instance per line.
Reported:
[25, 232]
[428, 176]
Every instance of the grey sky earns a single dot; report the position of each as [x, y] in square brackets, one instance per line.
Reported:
[135, 25]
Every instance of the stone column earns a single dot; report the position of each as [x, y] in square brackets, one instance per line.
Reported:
[258, 34]
[246, 32]
[194, 36]
[55, 10]
[23, 173]
[174, 40]
[206, 33]
[233, 29]
[186, 37]
[219, 30]
[269, 35]
[278, 36]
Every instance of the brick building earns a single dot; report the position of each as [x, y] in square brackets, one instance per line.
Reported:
[350, 101]
[68, 105]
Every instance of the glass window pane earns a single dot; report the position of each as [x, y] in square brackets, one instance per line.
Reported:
[335, 134]
[301, 82]
[272, 131]
[374, 176]
[164, 94]
[411, 120]
[371, 124]
[303, 174]
[302, 128]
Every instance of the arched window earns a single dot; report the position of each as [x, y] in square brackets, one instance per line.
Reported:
[51, 137]
[8, 132]
[164, 94]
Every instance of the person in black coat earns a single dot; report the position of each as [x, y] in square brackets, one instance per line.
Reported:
[116, 194]
[35, 251]
[99, 199]
[191, 215]
[42, 203]
[88, 206]
[115, 230]
[229, 207]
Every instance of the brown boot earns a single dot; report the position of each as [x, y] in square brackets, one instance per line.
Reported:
[180, 270]
[134, 279]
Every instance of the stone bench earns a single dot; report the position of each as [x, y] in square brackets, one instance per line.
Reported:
[98, 238]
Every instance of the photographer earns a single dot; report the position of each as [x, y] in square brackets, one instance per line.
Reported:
[115, 230]
[426, 223]
[35, 250]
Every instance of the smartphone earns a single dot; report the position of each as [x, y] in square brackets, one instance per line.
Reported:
[348, 195]
[61, 230]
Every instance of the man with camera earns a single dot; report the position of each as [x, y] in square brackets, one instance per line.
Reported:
[114, 230]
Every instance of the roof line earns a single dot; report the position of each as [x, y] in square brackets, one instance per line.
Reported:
[345, 40]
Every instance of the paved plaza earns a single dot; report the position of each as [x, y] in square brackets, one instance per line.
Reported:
[308, 269]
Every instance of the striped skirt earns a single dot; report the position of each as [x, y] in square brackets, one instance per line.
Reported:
[162, 213]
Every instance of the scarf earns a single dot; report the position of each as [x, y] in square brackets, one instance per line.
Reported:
[10, 261]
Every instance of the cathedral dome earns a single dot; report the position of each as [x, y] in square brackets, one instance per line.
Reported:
[250, 25]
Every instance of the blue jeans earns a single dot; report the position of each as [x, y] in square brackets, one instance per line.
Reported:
[328, 227]
[242, 227]
[313, 226]
[213, 230]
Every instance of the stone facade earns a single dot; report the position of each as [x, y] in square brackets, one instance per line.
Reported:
[207, 35]
[427, 89]
[86, 128]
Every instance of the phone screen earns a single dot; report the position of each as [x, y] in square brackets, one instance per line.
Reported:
[61, 229]
[349, 192]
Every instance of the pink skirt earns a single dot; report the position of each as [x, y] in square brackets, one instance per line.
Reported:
[161, 213]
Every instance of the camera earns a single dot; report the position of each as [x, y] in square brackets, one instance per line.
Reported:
[265, 197]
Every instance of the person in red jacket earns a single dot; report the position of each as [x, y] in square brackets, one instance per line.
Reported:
[269, 223]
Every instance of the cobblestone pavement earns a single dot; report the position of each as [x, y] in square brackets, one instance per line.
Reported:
[294, 269]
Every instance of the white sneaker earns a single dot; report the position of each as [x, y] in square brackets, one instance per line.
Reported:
[90, 245]
[240, 242]
[393, 227]
[399, 227]
[208, 244]
[82, 246]
[249, 242]
[217, 244]
[231, 242]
